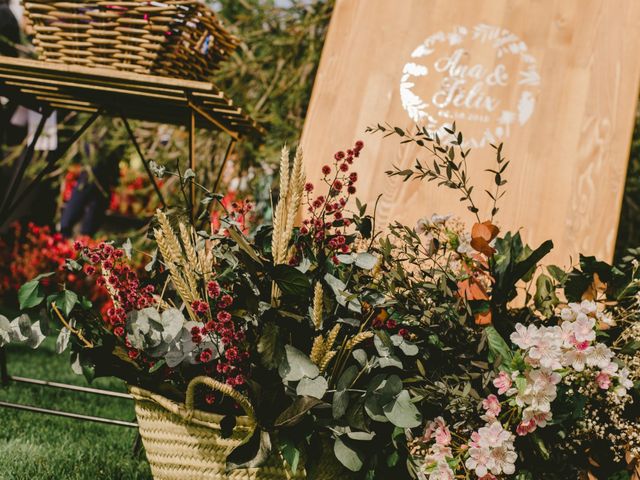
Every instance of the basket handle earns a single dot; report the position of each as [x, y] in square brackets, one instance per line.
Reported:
[219, 387]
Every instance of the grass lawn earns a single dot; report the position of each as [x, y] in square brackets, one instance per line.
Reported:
[43, 447]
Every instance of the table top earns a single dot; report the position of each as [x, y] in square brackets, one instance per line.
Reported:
[36, 84]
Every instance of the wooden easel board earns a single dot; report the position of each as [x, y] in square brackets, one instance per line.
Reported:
[555, 80]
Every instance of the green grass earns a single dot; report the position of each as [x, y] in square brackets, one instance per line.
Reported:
[43, 447]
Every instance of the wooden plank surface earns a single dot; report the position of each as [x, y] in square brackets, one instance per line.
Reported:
[556, 80]
[35, 84]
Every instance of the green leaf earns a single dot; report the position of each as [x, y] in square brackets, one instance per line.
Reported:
[360, 356]
[290, 453]
[347, 378]
[557, 273]
[312, 387]
[296, 411]
[157, 366]
[290, 280]
[366, 261]
[340, 403]
[65, 301]
[361, 436]
[347, 455]
[542, 448]
[497, 345]
[402, 412]
[31, 294]
[238, 237]
[296, 365]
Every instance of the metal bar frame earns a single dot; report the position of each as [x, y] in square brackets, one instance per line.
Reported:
[192, 159]
[66, 386]
[52, 158]
[156, 187]
[24, 161]
[75, 416]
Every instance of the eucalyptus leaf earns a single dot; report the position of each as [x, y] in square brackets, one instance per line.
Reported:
[347, 378]
[36, 337]
[391, 362]
[5, 331]
[172, 321]
[296, 365]
[366, 260]
[21, 328]
[312, 387]
[361, 436]
[63, 340]
[348, 456]
[340, 403]
[360, 356]
[402, 412]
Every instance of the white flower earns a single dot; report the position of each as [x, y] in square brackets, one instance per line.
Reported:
[576, 358]
[439, 219]
[465, 247]
[624, 383]
[600, 356]
[567, 315]
[540, 390]
[588, 307]
[547, 349]
[524, 337]
[583, 329]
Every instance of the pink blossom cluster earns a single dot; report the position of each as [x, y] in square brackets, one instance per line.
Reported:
[436, 462]
[491, 451]
[549, 350]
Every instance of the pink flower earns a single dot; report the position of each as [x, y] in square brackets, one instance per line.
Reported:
[604, 380]
[443, 435]
[525, 427]
[492, 406]
[438, 430]
[502, 382]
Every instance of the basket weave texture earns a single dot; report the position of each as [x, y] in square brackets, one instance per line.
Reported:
[174, 38]
[183, 443]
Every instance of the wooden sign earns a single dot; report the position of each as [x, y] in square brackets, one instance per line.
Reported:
[555, 80]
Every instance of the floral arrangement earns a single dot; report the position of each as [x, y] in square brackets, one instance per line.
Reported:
[433, 351]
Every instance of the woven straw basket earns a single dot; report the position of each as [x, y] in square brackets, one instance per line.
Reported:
[183, 443]
[176, 38]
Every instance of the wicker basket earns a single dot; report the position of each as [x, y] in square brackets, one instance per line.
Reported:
[175, 38]
[183, 443]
